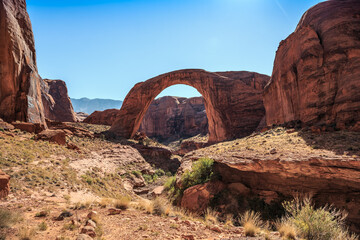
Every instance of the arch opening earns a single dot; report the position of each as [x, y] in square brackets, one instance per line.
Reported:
[173, 117]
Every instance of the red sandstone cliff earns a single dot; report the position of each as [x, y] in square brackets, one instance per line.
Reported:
[20, 91]
[316, 75]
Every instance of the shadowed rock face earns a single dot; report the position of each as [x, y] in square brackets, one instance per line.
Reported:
[233, 101]
[316, 75]
[20, 91]
[57, 104]
[170, 118]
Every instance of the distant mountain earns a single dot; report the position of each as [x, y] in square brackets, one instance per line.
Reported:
[88, 106]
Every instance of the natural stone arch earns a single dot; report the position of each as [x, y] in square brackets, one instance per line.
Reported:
[233, 101]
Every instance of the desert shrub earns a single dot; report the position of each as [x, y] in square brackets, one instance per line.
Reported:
[159, 172]
[160, 207]
[252, 223]
[43, 226]
[43, 213]
[170, 185]
[201, 172]
[325, 223]
[26, 233]
[7, 218]
[122, 202]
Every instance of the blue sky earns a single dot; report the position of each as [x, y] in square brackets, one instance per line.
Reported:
[101, 48]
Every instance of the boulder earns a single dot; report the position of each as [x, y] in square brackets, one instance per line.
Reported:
[316, 74]
[4, 184]
[106, 117]
[197, 198]
[54, 136]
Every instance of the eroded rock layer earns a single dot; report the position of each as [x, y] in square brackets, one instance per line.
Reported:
[233, 101]
[20, 91]
[316, 75]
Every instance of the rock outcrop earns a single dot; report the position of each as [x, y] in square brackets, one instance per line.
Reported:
[171, 118]
[20, 91]
[54, 136]
[106, 117]
[279, 164]
[316, 75]
[57, 104]
[4, 184]
[233, 101]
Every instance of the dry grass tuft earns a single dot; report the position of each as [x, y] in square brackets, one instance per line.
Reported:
[252, 223]
[122, 202]
[26, 233]
[286, 229]
[211, 216]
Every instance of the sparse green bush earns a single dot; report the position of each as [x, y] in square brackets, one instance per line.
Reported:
[43, 226]
[201, 172]
[325, 223]
[170, 185]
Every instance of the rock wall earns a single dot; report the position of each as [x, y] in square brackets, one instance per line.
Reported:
[170, 118]
[57, 104]
[316, 75]
[20, 91]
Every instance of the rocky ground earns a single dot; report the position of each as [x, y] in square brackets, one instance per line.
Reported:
[47, 179]
[99, 173]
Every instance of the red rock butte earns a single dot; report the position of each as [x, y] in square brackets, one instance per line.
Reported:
[233, 101]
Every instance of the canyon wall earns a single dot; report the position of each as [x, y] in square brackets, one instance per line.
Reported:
[316, 75]
[20, 91]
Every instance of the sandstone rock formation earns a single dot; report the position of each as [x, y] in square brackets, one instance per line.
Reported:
[54, 136]
[106, 117]
[57, 104]
[316, 76]
[28, 127]
[20, 91]
[4, 184]
[233, 101]
[279, 164]
[170, 118]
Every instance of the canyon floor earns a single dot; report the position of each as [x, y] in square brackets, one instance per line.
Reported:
[48, 179]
